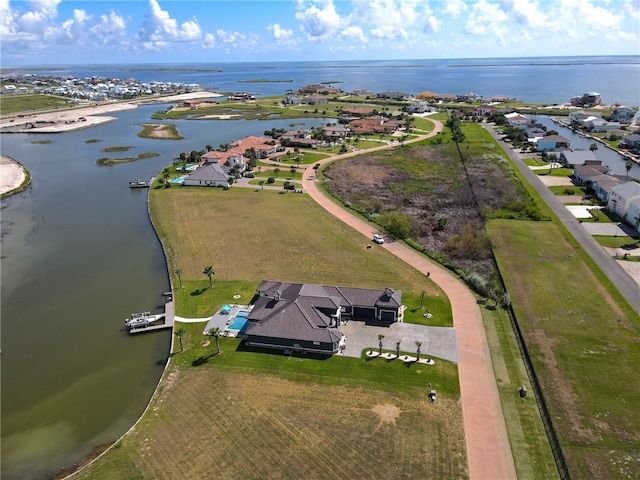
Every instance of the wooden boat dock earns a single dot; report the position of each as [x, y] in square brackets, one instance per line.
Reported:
[164, 321]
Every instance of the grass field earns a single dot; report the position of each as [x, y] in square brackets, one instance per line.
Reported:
[254, 235]
[210, 422]
[583, 339]
[31, 103]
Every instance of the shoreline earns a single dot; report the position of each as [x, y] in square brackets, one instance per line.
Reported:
[14, 177]
[86, 116]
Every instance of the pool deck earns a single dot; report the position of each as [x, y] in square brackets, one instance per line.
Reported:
[221, 319]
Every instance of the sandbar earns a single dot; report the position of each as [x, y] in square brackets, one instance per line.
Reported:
[12, 174]
[85, 117]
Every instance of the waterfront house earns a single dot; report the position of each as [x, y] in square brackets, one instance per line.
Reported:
[587, 99]
[357, 111]
[552, 143]
[602, 186]
[535, 133]
[208, 175]
[584, 174]
[421, 107]
[633, 214]
[306, 317]
[623, 114]
[599, 125]
[621, 197]
[631, 142]
[571, 158]
[515, 119]
[316, 99]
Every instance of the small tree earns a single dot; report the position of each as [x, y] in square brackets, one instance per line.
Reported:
[261, 183]
[209, 272]
[293, 172]
[422, 294]
[179, 333]
[215, 332]
[593, 147]
[178, 272]
[398, 348]
[418, 344]
[276, 172]
[380, 337]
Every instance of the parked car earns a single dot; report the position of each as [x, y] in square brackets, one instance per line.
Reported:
[378, 239]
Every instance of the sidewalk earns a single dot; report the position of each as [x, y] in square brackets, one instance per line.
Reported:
[488, 449]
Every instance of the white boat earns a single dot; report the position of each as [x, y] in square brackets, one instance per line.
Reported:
[139, 183]
[140, 320]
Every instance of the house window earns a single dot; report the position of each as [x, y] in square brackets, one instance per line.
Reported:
[316, 343]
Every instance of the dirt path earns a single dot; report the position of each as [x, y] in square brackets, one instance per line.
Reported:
[488, 449]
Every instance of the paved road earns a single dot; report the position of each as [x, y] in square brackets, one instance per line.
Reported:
[488, 450]
[618, 276]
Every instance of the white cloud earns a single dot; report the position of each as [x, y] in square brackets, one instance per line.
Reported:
[486, 18]
[279, 33]
[110, 29]
[455, 8]
[394, 18]
[319, 20]
[229, 37]
[351, 33]
[209, 41]
[159, 29]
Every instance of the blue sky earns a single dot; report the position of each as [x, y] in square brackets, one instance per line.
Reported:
[147, 31]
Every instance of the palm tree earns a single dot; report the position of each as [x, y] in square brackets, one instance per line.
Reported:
[593, 147]
[179, 333]
[215, 332]
[422, 299]
[418, 344]
[209, 272]
[178, 272]
[628, 165]
[208, 148]
[398, 348]
[261, 183]
[293, 172]
[276, 172]
[380, 337]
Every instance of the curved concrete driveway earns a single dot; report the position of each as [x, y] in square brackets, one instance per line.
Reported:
[488, 450]
[618, 276]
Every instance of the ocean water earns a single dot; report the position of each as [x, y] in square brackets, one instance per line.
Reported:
[538, 79]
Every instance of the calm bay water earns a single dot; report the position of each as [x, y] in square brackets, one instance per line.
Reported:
[79, 253]
[540, 79]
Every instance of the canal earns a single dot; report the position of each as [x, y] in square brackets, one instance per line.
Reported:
[79, 255]
[609, 157]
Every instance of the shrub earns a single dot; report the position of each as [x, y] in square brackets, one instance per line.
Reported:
[271, 180]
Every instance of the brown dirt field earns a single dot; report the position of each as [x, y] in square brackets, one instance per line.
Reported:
[263, 427]
[430, 184]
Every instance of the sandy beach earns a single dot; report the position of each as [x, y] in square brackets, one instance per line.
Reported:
[85, 117]
[12, 174]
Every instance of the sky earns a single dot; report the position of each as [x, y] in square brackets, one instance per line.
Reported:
[37, 32]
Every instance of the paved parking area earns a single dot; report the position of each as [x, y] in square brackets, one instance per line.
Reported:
[437, 342]
[611, 229]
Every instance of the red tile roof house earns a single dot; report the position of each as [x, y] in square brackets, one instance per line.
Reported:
[297, 317]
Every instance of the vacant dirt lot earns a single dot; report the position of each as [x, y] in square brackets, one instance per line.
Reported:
[253, 427]
[446, 198]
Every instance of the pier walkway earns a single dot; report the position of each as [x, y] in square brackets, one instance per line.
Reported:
[168, 318]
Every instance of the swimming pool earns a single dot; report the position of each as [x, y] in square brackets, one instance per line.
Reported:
[240, 322]
[178, 180]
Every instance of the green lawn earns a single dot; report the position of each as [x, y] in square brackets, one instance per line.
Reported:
[578, 192]
[582, 337]
[32, 103]
[618, 242]
[251, 235]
